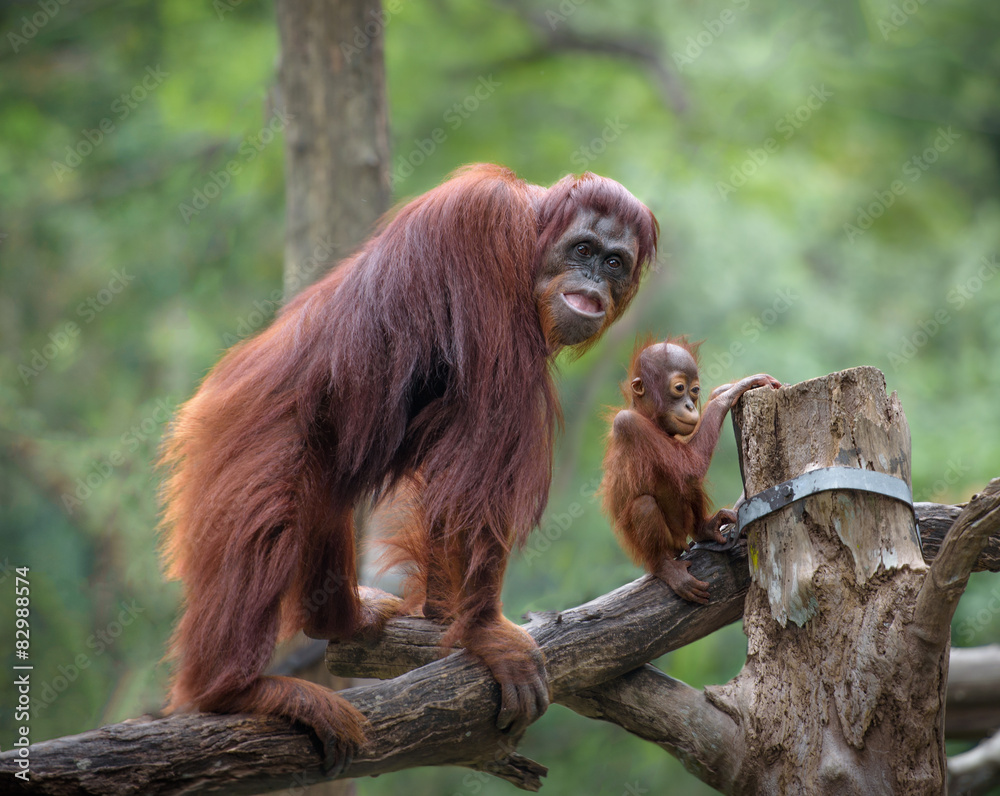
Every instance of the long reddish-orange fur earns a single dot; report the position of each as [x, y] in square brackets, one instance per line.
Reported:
[421, 359]
[641, 459]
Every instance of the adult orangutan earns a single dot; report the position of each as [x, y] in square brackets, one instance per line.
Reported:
[657, 457]
[423, 359]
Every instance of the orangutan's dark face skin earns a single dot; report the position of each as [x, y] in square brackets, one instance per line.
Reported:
[668, 390]
[584, 275]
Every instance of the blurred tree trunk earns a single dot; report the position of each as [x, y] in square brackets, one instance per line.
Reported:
[332, 87]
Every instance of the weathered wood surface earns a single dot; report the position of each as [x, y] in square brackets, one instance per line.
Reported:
[412, 642]
[935, 519]
[956, 559]
[238, 754]
[844, 685]
[671, 714]
[843, 420]
[440, 714]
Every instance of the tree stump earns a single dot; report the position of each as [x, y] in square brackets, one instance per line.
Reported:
[840, 694]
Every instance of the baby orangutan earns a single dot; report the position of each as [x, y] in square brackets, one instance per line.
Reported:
[657, 457]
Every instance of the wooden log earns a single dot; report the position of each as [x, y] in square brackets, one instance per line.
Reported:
[410, 642]
[835, 696]
[440, 714]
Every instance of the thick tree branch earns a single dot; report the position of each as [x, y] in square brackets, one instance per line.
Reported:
[935, 520]
[671, 714]
[957, 558]
[440, 714]
[583, 646]
[411, 642]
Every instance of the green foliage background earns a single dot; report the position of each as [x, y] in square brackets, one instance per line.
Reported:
[112, 306]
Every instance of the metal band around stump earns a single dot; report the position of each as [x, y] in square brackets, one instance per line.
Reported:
[823, 480]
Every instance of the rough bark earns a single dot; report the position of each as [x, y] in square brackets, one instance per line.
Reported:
[332, 83]
[671, 714]
[949, 574]
[440, 714]
[843, 688]
[408, 643]
[934, 520]
[238, 754]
